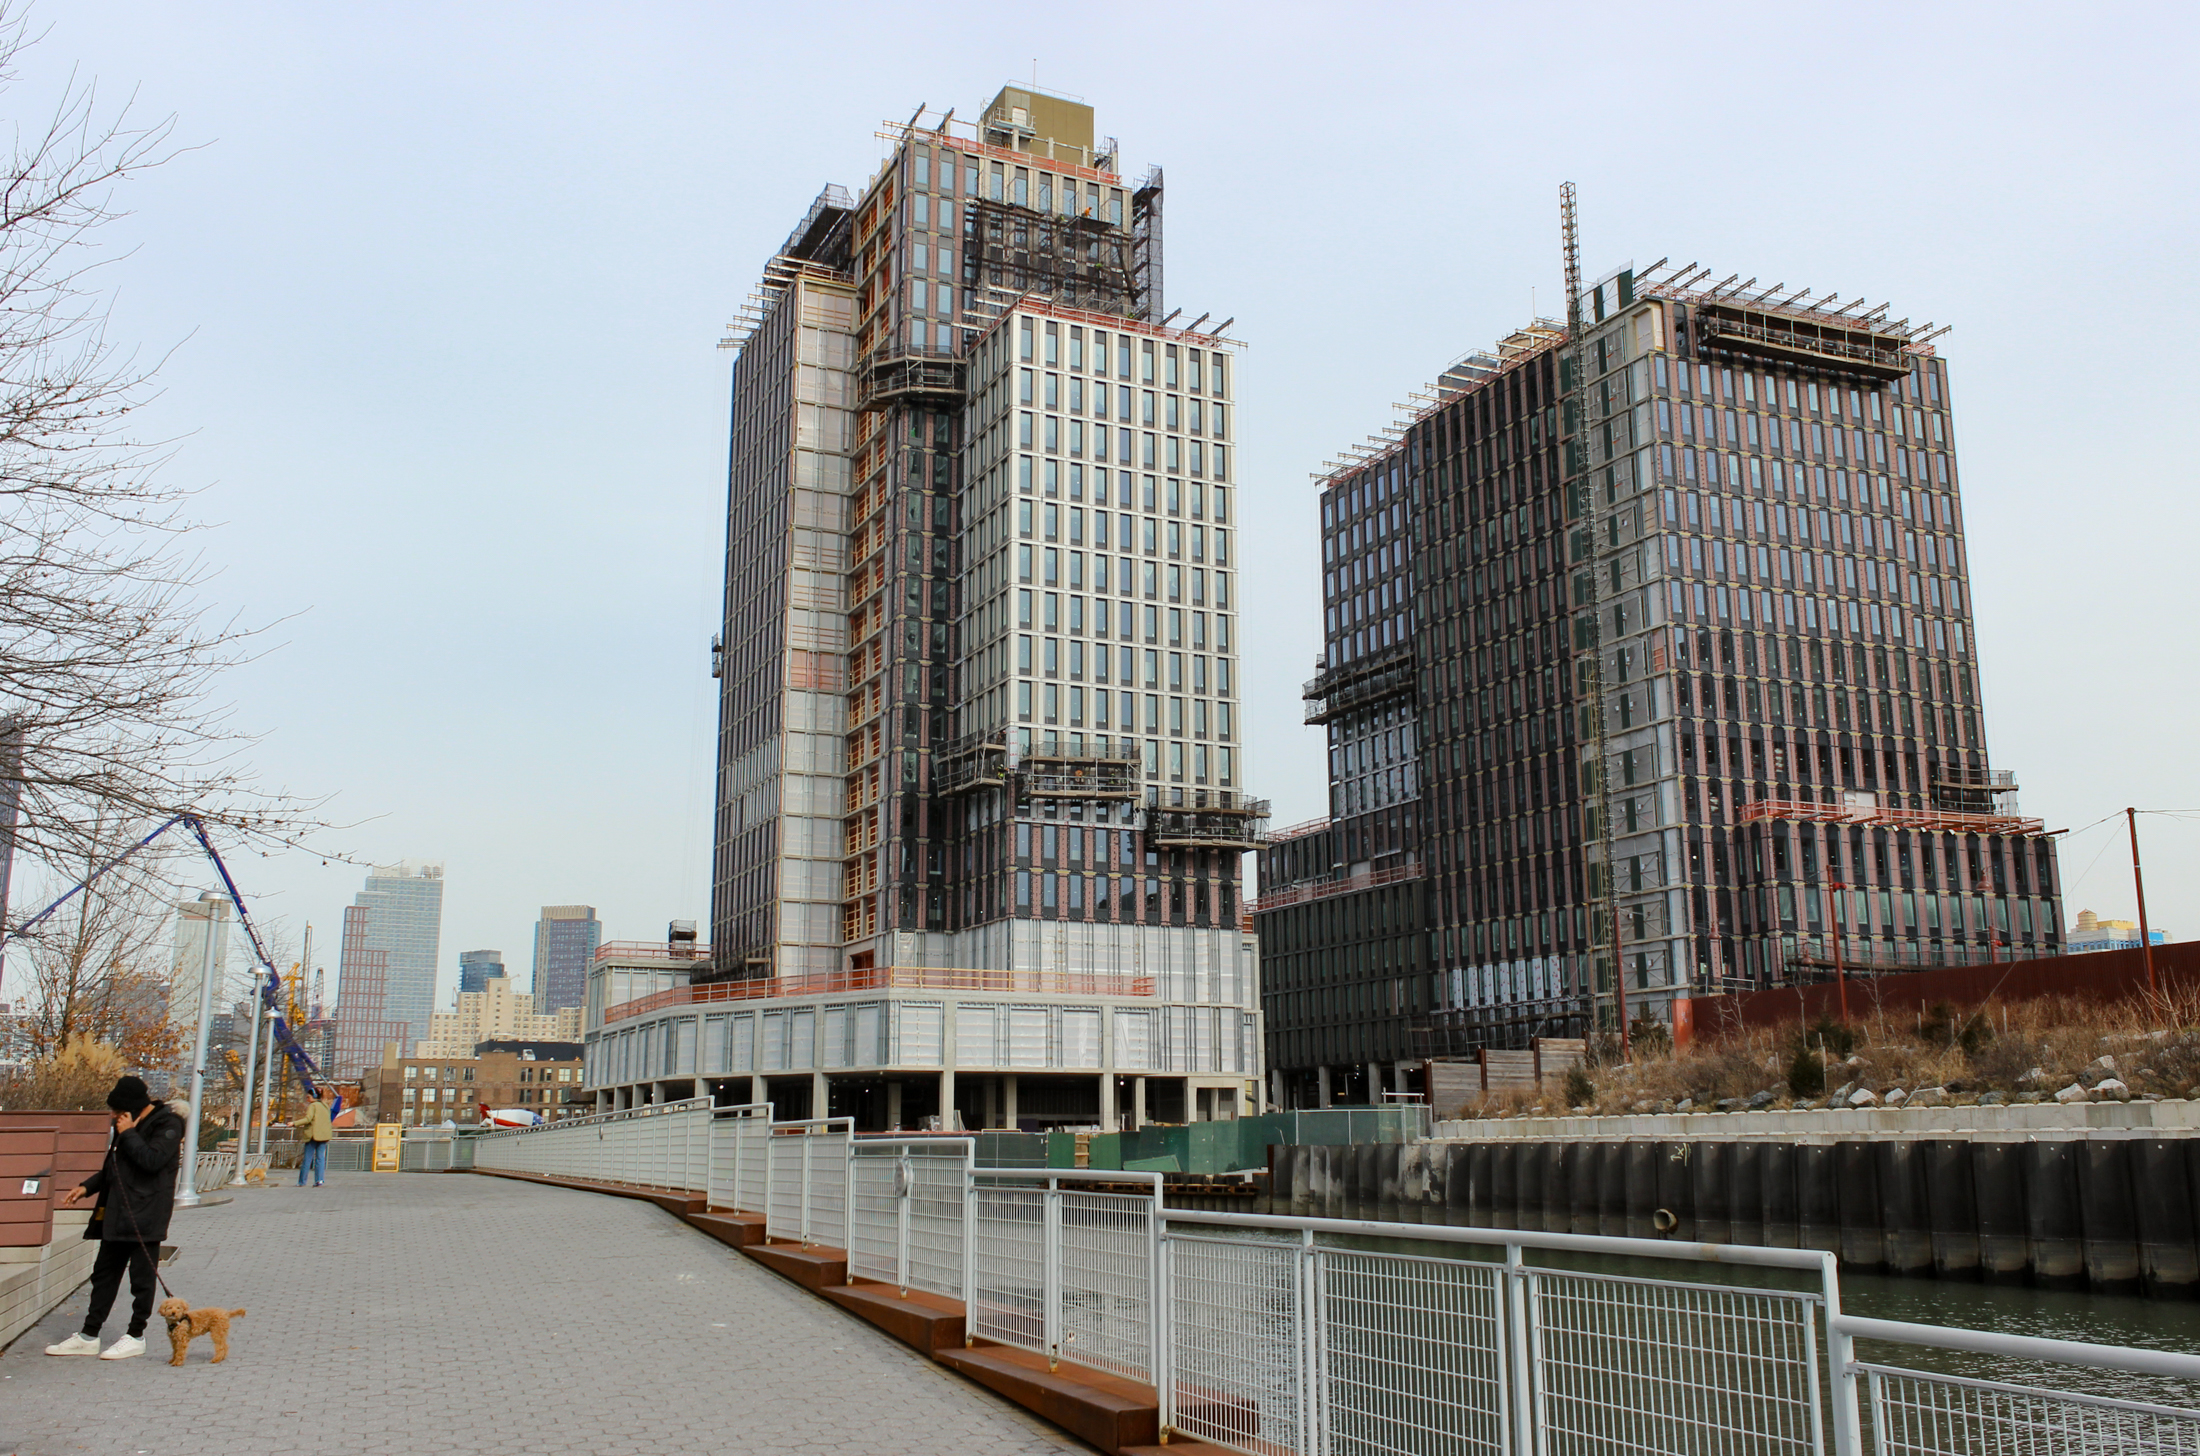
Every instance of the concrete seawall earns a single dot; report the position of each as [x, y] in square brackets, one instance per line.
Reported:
[2109, 1210]
[2171, 1116]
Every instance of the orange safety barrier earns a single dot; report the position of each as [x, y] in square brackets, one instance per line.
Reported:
[894, 978]
[1323, 889]
[1933, 820]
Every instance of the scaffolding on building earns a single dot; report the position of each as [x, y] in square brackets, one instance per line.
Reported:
[1375, 678]
[1179, 817]
[1066, 769]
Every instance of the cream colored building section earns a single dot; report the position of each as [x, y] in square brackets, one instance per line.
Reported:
[806, 769]
[495, 1013]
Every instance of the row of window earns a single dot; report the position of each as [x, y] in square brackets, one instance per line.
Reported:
[1080, 662]
[463, 1073]
[1174, 496]
[1146, 450]
[974, 175]
[1172, 367]
[1105, 711]
[1801, 396]
[1149, 535]
[1171, 412]
[1847, 575]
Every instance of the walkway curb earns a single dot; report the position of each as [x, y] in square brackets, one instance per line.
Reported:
[1118, 1415]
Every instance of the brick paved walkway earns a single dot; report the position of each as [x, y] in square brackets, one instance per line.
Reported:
[421, 1314]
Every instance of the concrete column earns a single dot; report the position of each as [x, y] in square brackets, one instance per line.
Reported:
[1323, 1073]
[893, 1106]
[1275, 1088]
[1008, 1099]
[1138, 1102]
[1107, 1102]
[947, 1100]
[756, 1090]
[992, 1113]
[821, 1095]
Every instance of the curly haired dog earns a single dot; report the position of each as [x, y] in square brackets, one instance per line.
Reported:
[186, 1324]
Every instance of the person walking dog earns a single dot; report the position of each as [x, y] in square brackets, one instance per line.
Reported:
[136, 1187]
[314, 1131]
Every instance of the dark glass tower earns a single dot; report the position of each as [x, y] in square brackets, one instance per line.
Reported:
[1716, 538]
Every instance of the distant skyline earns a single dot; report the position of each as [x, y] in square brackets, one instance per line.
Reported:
[438, 291]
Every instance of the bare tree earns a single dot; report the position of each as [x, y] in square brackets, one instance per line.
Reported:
[99, 970]
[108, 651]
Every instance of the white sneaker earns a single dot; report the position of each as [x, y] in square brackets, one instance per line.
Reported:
[128, 1347]
[77, 1344]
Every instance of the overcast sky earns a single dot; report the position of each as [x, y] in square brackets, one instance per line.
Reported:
[443, 285]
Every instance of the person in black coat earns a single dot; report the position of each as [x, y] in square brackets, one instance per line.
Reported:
[136, 1187]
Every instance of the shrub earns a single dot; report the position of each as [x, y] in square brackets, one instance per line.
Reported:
[1649, 1037]
[1806, 1072]
[76, 1078]
[1835, 1038]
[1580, 1091]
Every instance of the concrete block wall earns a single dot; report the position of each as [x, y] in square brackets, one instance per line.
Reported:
[34, 1280]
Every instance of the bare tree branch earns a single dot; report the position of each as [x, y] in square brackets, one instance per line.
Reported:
[109, 655]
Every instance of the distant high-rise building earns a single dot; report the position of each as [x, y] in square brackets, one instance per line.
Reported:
[495, 1011]
[475, 967]
[386, 976]
[362, 1026]
[566, 938]
[1649, 671]
[195, 919]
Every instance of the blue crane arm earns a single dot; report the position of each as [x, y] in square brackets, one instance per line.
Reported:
[270, 990]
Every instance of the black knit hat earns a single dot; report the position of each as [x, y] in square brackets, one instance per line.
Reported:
[130, 1095]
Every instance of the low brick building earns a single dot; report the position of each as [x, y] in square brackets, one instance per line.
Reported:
[428, 1091]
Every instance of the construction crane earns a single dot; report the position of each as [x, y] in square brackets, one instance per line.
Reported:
[1588, 626]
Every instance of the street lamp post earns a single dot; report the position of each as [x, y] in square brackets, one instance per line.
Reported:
[267, 1075]
[244, 1103]
[187, 1191]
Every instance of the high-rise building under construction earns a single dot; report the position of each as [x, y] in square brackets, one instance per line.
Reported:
[982, 785]
[1649, 671]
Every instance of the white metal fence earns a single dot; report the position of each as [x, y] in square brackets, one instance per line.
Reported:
[1325, 1337]
[1935, 1413]
[740, 1155]
[909, 1213]
[663, 1146]
[806, 1181]
[1070, 1272]
[217, 1170]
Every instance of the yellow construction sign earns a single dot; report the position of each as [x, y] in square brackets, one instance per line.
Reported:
[389, 1146]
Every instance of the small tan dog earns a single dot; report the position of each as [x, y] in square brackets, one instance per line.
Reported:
[186, 1324]
[256, 1175]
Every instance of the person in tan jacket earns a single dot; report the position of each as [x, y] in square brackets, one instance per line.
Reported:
[314, 1131]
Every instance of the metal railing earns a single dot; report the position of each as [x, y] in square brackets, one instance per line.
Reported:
[667, 1145]
[1072, 1273]
[806, 1181]
[739, 1160]
[216, 1170]
[908, 1212]
[887, 978]
[1935, 1413]
[1284, 1336]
